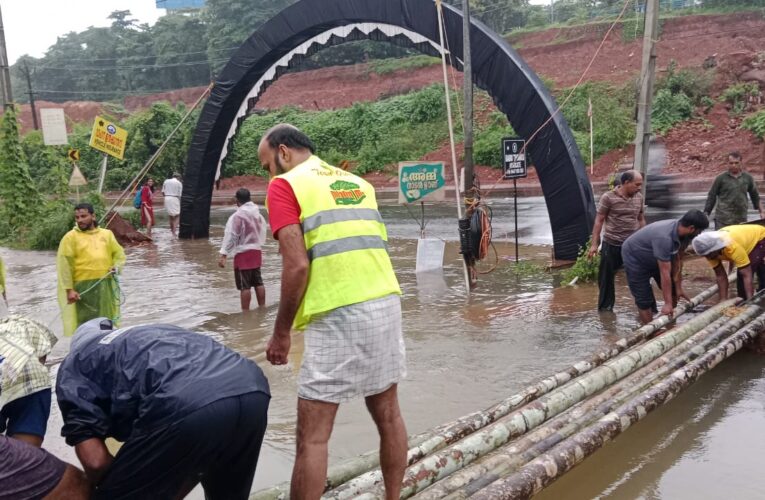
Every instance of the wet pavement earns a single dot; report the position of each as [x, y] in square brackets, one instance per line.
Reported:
[464, 353]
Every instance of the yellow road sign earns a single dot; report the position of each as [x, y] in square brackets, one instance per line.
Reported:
[74, 155]
[108, 138]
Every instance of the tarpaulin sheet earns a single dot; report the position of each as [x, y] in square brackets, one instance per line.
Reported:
[497, 68]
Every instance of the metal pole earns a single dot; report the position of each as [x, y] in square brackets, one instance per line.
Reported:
[467, 90]
[645, 101]
[103, 173]
[31, 96]
[5, 69]
[515, 213]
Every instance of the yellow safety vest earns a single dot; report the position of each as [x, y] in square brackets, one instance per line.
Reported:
[345, 238]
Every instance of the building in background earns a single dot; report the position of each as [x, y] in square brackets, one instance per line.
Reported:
[180, 4]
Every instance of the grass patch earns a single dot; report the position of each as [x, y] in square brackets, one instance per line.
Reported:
[391, 65]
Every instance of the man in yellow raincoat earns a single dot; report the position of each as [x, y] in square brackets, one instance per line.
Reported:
[88, 260]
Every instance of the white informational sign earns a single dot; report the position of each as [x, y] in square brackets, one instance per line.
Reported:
[54, 126]
[430, 255]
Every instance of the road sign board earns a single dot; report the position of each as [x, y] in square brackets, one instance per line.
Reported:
[418, 181]
[514, 158]
[53, 126]
[73, 155]
[108, 138]
[77, 179]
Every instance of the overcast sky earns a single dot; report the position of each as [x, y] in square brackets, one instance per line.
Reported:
[31, 26]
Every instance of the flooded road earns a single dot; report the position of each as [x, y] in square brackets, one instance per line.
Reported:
[464, 353]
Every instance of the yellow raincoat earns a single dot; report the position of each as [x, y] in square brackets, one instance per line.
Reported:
[2, 277]
[85, 260]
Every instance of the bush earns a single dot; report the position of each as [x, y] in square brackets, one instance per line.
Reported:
[755, 123]
[693, 83]
[369, 135]
[612, 117]
[669, 109]
[585, 269]
[738, 95]
[55, 221]
[133, 217]
[487, 144]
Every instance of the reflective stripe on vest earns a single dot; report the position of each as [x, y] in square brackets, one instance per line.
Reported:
[338, 215]
[349, 244]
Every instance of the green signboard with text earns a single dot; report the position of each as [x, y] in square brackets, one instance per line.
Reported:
[420, 181]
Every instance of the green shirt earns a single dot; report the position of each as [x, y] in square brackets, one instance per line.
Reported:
[729, 193]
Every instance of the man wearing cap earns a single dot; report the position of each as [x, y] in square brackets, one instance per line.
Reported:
[655, 251]
[744, 246]
[188, 410]
[172, 189]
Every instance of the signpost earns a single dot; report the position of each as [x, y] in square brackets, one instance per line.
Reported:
[53, 126]
[514, 167]
[108, 138]
[421, 182]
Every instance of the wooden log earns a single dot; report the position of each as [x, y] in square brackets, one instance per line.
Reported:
[439, 437]
[512, 456]
[436, 466]
[545, 469]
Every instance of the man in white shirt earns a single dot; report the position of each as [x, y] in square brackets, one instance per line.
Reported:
[172, 189]
[244, 235]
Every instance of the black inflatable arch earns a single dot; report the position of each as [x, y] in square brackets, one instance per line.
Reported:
[310, 25]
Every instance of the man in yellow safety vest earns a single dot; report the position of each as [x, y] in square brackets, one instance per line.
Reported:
[338, 285]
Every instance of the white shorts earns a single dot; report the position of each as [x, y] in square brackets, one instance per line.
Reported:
[173, 205]
[353, 351]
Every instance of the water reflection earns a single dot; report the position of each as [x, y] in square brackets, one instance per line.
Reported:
[464, 352]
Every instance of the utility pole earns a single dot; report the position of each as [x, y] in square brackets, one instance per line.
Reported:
[5, 69]
[31, 95]
[467, 89]
[645, 100]
[552, 11]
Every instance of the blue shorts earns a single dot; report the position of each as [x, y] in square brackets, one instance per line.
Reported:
[27, 415]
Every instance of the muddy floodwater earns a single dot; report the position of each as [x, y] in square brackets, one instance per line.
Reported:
[464, 353]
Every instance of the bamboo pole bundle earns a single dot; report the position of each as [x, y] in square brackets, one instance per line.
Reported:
[440, 464]
[444, 435]
[508, 458]
[545, 469]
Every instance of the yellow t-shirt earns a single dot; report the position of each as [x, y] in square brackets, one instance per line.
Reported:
[744, 237]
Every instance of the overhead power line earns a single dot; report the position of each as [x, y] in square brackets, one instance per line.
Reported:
[115, 68]
[88, 59]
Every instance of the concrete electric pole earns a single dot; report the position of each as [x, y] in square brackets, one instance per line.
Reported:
[467, 89]
[645, 100]
[5, 69]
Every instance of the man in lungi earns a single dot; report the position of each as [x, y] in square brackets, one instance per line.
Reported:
[338, 285]
[88, 259]
[172, 189]
[741, 244]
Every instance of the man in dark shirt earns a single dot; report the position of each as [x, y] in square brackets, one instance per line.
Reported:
[187, 409]
[729, 193]
[655, 251]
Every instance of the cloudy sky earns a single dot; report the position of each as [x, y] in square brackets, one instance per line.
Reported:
[31, 26]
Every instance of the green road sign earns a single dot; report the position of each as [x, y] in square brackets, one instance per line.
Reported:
[420, 181]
